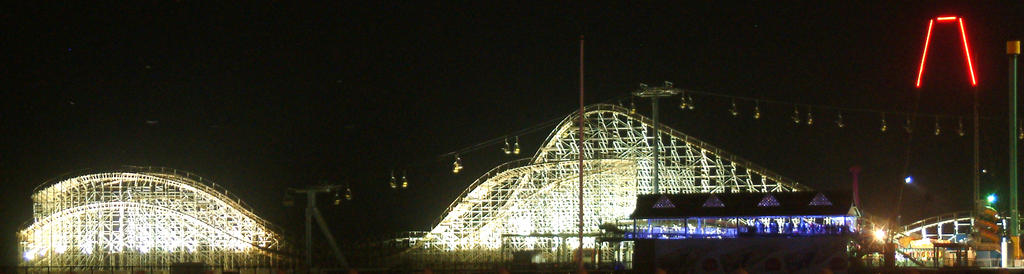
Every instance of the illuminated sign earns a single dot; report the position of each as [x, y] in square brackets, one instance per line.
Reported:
[963, 37]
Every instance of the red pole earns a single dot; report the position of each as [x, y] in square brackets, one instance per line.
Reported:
[580, 248]
[855, 170]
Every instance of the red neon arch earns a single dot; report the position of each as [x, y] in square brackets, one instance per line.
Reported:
[963, 36]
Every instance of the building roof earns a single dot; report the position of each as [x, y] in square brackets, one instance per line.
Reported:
[747, 204]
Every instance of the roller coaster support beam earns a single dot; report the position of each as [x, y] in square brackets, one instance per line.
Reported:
[330, 238]
[654, 93]
[313, 212]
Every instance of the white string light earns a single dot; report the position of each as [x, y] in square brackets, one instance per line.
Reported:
[1020, 131]
[884, 125]
[457, 164]
[757, 110]
[683, 105]
[515, 150]
[810, 117]
[392, 182]
[687, 102]
[796, 115]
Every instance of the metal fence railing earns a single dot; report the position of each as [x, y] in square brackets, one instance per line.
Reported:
[149, 270]
[492, 268]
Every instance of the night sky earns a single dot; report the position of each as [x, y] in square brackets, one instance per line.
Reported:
[272, 95]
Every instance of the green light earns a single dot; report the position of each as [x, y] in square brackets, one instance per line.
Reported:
[991, 198]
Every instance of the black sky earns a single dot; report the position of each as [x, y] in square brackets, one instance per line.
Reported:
[266, 96]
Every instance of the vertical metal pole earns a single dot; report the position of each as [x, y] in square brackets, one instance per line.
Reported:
[580, 248]
[977, 164]
[855, 170]
[657, 142]
[330, 239]
[310, 203]
[1013, 48]
[899, 205]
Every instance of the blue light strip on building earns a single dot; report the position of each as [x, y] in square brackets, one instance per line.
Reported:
[736, 227]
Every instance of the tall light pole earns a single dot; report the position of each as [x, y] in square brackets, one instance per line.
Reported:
[579, 257]
[1013, 49]
[855, 170]
[899, 201]
[977, 156]
[654, 93]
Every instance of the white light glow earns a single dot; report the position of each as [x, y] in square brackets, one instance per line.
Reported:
[150, 212]
[879, 234]
[1003, 258]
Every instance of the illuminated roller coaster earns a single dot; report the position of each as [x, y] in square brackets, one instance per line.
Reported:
[531, 204]
[142, 216]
